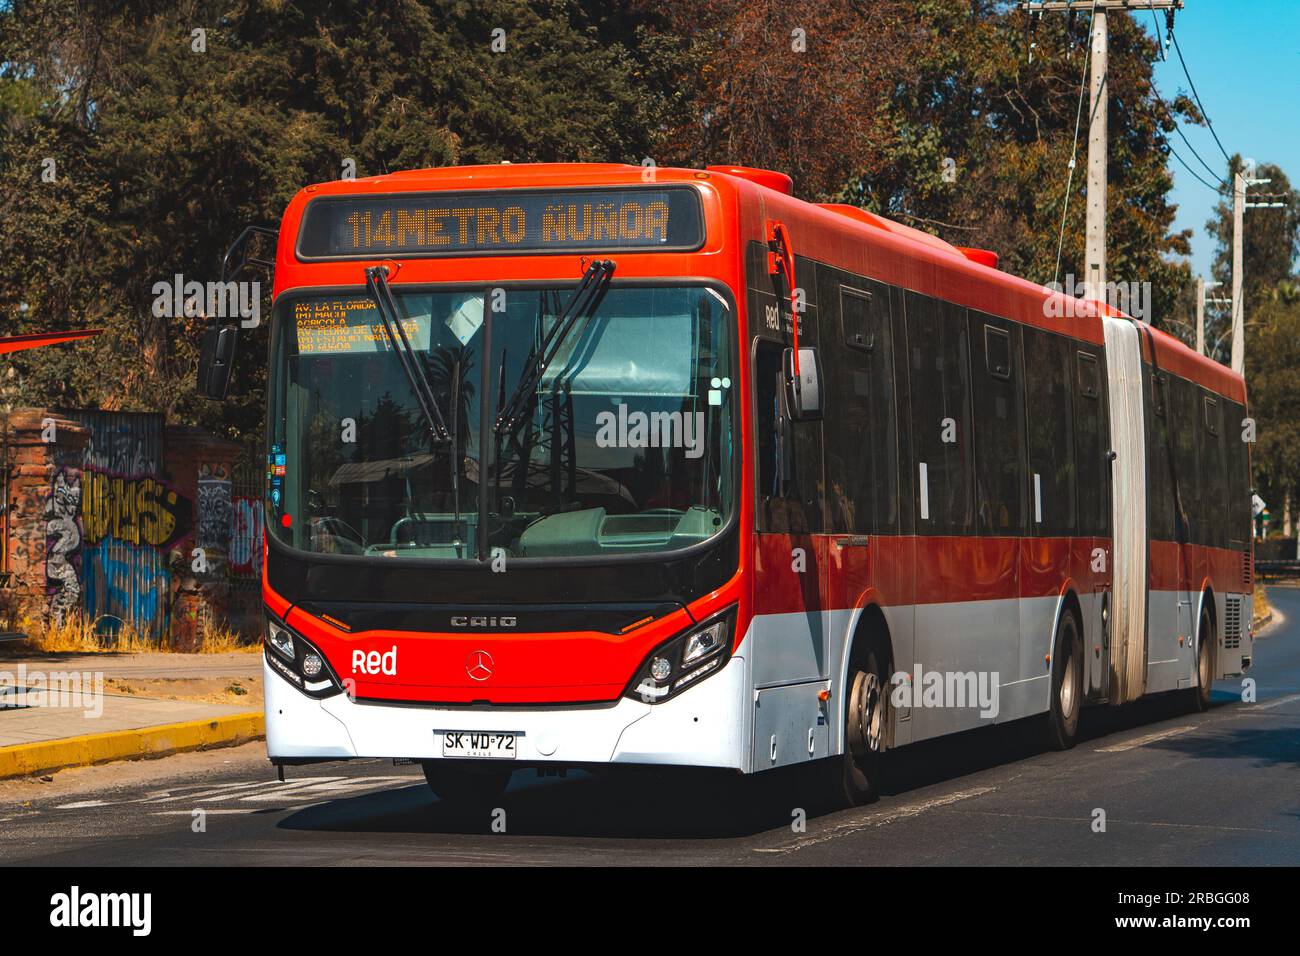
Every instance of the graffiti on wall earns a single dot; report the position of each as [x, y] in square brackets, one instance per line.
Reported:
[246, 536]
[63, 544]
[213, 524]
[139, 511]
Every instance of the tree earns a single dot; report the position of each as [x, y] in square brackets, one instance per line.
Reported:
[168, 142]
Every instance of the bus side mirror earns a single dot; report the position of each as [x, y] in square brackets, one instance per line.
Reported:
[216, 359]
[803, 393]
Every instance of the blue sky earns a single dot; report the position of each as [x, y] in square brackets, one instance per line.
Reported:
[1243, 56]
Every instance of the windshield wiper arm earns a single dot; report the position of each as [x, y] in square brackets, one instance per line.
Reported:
[584, 300]
[377, 286]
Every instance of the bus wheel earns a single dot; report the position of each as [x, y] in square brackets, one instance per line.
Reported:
[857, 772]
[1205, 642]
[1067, 684]
[459, 786]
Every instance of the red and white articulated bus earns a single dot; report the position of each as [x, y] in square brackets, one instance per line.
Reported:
[555, 480]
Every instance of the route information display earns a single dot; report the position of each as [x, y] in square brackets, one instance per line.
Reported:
[429, 224]
[350, 326]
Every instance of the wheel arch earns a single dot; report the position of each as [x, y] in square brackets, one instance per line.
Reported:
[869, 627]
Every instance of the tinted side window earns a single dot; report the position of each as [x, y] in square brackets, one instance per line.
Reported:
[1185, 426]
[861, 424]
[1215, 474]
[1091, 444]
[1160, 486]
[941, 415]
[999, 422]
[1236, 454]
[1051, 451]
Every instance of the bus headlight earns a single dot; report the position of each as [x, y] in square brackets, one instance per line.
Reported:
[686, 659]
[280, 639]
[298, 662]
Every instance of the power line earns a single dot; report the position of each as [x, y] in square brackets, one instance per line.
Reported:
[1223, 185]
[1187, 73]
[1208, 185]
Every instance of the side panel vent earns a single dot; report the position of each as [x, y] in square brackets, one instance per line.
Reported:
[1232, 623]
[1247, 569]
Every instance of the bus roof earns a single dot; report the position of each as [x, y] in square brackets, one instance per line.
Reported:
[818, 231]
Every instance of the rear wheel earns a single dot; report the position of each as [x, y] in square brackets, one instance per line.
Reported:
[857, 772]
[462, 786]
[1067, 684]
[1205, 647]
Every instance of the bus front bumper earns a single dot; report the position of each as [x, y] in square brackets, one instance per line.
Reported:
[704, 726]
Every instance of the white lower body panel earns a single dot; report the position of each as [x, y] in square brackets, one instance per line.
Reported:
[705, 726]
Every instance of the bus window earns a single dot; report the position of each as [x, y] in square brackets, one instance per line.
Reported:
[786, 452]
[861, 424]
[999, 428]
[1051, 457]
[1091, 443]
[941, 415]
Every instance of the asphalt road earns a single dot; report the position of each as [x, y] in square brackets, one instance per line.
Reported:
[1217, 788]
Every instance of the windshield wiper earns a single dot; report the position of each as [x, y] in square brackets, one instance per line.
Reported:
[584, 301]
[412, 367]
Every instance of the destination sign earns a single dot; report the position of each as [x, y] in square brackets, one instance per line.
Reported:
[346, 326]
[468, 223]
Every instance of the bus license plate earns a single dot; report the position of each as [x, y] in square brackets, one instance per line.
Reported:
[472, 743]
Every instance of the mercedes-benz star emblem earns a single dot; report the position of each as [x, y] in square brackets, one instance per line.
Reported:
[479, 665]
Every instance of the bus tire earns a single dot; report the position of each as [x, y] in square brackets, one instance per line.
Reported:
[856, 774]
[460, 786]
[1067, 684]
[1205, 648]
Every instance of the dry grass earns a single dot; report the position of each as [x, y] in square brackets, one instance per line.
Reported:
[80, 634]
[1262, 607]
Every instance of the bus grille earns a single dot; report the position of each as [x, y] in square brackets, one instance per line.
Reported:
[1247, 569]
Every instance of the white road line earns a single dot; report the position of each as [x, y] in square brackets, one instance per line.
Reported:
[332, 787]
[239, 791]
[83, 805]
[877, 819]
[1277, 703]
[1143, 740]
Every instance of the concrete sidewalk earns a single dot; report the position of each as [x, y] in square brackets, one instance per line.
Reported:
[55, 712]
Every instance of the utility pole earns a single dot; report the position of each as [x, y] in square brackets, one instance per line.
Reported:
[1200, 315]
[1238, 319]
[1239, 206]
[1201, 302]
[1094, 268]
[1098, 132]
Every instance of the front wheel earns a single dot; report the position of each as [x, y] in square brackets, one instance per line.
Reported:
[857, 772]
[461, 786]
[1067, 684]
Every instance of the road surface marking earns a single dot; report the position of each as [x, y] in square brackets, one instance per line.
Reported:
[1143, 740]
[83, 805]
[1278, 703]
[878, 818]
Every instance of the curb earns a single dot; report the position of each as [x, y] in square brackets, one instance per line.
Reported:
[22, 760]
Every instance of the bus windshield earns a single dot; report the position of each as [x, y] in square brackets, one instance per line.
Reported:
[622, 444]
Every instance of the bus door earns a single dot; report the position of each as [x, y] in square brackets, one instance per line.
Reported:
[867, 553]
[789, 652]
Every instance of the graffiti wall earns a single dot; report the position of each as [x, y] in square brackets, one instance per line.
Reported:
[63, 540]
[130, 516]
[118, 516]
